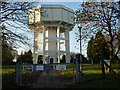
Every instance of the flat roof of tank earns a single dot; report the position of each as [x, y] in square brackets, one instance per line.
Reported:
[51, 6]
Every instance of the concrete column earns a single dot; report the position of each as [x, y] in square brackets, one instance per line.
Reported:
[58, 42]
[35, 51]
[67, 47]
[51, 40]
[44, 44]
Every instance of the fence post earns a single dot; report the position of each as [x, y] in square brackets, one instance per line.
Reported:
[73, 72]
[17, 73]
[77, 70]
[21, 72]
[47, 72]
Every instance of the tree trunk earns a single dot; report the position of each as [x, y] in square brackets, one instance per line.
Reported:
[103, 69]
[102, 64]
[77, 71]
[92, 61]
[109, 69]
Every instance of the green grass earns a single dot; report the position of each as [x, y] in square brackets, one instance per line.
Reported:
[11, 68]
[90, 66]
[87, 68]
[8, 69]
[91, 72]
[100, 84]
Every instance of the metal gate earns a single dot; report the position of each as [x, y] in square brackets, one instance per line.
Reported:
[45, 75]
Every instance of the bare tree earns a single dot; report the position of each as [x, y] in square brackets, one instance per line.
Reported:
[98, 16]
[14, 22]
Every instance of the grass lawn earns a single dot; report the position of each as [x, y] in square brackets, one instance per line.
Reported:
[90, 79]
[8, 69]
[8, 76]
[100, 84]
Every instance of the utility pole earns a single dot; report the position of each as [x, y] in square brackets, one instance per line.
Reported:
[80, 51]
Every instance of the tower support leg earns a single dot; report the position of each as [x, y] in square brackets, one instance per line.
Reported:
[58, 35]
[43, 44]
[67, 47]
[35, 51]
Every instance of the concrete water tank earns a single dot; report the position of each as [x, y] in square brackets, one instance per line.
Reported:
[52, 21]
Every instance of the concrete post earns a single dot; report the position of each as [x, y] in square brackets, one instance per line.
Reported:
[67, 47]
[44, 44]
[51, 42]
[58, 42]
[35, 52]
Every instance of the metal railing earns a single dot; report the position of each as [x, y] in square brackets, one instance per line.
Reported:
[49, 68]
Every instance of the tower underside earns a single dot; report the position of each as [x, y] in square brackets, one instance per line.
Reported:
[54, 42]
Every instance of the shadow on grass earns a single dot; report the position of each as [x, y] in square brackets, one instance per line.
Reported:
[98, 81]
[90, 79]
[86, 81]
[8, 81]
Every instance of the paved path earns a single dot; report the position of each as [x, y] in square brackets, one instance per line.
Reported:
[55, 78]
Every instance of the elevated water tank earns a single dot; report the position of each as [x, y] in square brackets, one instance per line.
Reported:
[51, 21]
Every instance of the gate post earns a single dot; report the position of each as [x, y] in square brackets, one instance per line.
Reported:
[21, 72]
[47, 72]
[77, 70]
[17, 73]
[73, 72]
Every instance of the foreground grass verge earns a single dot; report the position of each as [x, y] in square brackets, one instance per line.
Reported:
[90, 79]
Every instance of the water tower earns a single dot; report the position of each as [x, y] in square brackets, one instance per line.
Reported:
[53, 23]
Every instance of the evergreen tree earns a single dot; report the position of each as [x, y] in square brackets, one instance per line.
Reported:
[96, 47]
[84, 59]
[101, 46]
[72, 55]
[7, 55]
[90, 50]
[27, 57]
